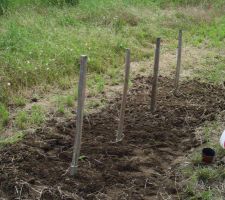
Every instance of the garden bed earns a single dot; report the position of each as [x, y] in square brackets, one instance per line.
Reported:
[142, 166]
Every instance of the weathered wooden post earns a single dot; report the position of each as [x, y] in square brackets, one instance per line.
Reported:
[179, 52]
[80, 109]
[119, 136]
[155, 75]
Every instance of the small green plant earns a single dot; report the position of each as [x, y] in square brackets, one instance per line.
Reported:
[19, 101]
[22, 119]
[206, 195]
[83, 157]
[37, 116]
[61, 109]
[4, 116]
[69, 100]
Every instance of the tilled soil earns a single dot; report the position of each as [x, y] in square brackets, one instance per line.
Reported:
[140, 167]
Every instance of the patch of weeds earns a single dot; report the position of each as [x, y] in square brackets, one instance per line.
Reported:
[4, 116]
[100, 83]
[215, 74]
[22, 119]
[96, 84]
[65, 83]
[95, 103]
[196, 159]
[3, 6]
[34, 117]
[69, 101]
[115, 76]
[37, 116]
[75, 93]
[220, 152]
[206, 174]
[68, 21]
[66, 101]
[19, 101]
[61, 109]
[205, 195]
[11, 140]
[200, 181]
[211, 32]
[209, 131]
[62, 3]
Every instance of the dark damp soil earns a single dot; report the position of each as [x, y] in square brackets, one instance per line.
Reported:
[138, 168]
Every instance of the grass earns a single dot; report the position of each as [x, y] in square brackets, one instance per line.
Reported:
[205, 181]
[11, 140]
[22, 120]
[38, 50]
[96, 84]
[28, 119]
[19, 101]
[4, 116]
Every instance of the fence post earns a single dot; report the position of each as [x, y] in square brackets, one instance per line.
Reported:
[119, 136]
[155, 75]
[179, 52]
[80, 108]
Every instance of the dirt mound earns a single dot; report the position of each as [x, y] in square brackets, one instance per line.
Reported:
[139, 167]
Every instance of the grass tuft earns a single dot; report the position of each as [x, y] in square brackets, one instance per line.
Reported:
[4, 116]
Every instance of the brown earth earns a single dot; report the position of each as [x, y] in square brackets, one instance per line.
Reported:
[140, 167]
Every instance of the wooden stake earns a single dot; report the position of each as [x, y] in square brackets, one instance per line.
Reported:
[179, 52]
[120, 135]
[80, 108]
[155, 76]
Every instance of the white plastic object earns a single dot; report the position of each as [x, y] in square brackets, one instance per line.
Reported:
[222, 140]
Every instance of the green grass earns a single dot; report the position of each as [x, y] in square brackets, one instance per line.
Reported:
[4, 116]
[96, 84]
[41, 44]
[22, 120]
[29, 119]
[37, 116]
[11, 140]
[205, 181]
[201, 181]
[19, 101]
